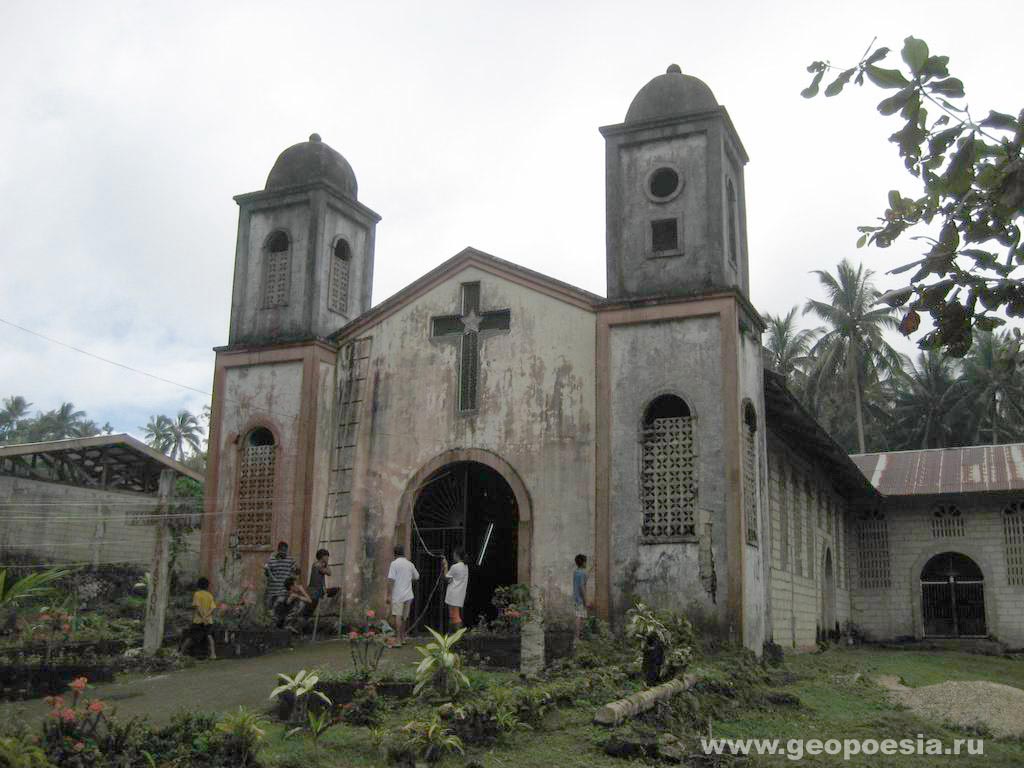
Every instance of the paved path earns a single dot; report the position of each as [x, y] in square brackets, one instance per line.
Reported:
[224, 684]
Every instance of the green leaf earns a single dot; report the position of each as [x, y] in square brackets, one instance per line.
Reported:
[812, 90]
[936, 67]
[886, 78]
[861, 241]
[877, 55]
[960, 174]
[915, 54]
[1000, 120]
[837, 85]
[949, 87]
[895, 103]
[942, 140]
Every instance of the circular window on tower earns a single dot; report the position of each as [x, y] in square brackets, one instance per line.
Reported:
[663, 184]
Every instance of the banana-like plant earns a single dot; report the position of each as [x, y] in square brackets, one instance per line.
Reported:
[300, 687]
[32, 586]
[441, 667]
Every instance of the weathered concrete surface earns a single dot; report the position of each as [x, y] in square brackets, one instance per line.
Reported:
[68, 524]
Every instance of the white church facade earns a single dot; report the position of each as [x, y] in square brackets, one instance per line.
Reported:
[489, 406]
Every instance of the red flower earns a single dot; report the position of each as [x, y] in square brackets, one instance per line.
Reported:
[370, 633]
[79, 746]
[79, 683]
[55, 714]
[66, 628]
[68, 716]
[96, 706]
[353, 635]
[371, 614]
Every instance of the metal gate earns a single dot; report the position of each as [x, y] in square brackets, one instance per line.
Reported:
[953, 608]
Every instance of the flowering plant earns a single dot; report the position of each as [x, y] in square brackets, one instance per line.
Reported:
[514, 605]
[367, 645]
[72, 732]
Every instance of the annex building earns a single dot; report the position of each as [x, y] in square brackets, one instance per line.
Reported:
[491, 406]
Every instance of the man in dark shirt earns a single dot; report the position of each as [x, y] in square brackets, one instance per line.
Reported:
[579, 593]
[318, 577]
[277, 569]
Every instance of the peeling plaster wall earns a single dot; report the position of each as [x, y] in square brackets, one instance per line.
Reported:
[536, 412]
[681, 357]
[320, 476]
[268, 395]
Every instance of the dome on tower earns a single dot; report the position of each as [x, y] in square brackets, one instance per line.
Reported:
[309, 162]
[669, 95]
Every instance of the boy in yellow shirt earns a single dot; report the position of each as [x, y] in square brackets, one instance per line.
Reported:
[203, 604]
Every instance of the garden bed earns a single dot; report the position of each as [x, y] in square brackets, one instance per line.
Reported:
[245, 643]
[342, 692]
[31, 681]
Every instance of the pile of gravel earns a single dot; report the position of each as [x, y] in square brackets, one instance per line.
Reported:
[992, 706]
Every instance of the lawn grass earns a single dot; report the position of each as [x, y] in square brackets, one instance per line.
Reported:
[835, 702]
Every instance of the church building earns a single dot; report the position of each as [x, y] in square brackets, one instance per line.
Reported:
[489, 406]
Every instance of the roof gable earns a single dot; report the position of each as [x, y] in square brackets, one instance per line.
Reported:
[471, 257]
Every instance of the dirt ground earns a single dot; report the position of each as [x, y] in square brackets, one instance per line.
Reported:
[220, 685]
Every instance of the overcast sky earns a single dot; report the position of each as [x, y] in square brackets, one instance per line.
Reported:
[126, 128]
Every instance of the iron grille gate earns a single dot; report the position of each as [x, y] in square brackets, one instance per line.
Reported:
[953, 608]
[440, 519]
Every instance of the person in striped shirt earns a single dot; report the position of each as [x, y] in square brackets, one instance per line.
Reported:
[277, 569]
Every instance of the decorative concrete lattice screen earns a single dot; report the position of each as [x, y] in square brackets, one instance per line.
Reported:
[873, 551]
[947, 522]
[275, 290]
[1013, 533]
[783, 518]
[256, 496]
[750, 483]
[668, 480]
[839, 536]
[337, 300]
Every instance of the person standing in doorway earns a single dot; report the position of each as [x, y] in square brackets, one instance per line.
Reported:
[401, 575]
[277, 569]
[579, 593]
[458, 581]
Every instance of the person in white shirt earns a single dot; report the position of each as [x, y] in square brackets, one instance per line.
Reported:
[401, 575]
[458, 580]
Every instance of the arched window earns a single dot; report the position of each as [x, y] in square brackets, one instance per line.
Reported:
[256, 489]
[947, 521]
[1013, 539]
[668, 473]
[750, 471]
[277, 270]
[730, 195]
[337, 299]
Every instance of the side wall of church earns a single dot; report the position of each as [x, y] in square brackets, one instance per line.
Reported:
[913, 535]
[756, 610]
[808, 519]
[682, 357]
[536, 414]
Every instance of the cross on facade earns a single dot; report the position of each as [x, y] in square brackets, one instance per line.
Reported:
[467, 329]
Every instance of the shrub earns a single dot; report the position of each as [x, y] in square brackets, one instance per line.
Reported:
[514, 605]
[367, 645]
[19, 753]
[366, 708]
[240, 735]
[664, 641]
[441, 667]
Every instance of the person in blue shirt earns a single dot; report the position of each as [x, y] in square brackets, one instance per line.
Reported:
[579, 593]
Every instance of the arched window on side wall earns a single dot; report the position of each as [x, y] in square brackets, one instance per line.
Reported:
[277, 270]
[668, 471]
[341, 263]
[256, 489]
[730, 195]
[750, 471]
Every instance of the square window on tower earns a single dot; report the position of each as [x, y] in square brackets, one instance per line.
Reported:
[664, 236]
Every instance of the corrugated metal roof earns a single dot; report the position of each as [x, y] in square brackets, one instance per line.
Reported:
[975, 469]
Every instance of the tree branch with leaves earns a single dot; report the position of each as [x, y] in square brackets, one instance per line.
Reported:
[971, 174]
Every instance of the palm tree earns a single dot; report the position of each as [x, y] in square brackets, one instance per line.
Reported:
[851, 346]
[12, 415]
[63, 422]
[787, 345]
[158, 433]
[928, 400]
[995, 385]
[185, 431]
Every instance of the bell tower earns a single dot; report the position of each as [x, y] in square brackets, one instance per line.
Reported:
[675, 210]
[304, 255]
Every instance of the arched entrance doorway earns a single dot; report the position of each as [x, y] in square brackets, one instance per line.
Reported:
[828, 596]
[952, 597]
[470, 505]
